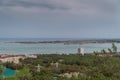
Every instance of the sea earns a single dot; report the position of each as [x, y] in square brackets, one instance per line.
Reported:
[7, 46]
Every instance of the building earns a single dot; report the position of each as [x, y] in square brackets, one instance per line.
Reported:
[11, 58]
[81, 51]
[31, 56]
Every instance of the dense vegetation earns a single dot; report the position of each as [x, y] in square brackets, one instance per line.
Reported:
[90, 67]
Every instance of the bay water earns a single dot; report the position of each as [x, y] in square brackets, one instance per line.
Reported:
[50, 48]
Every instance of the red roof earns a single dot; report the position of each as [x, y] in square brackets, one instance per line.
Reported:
[6, 56]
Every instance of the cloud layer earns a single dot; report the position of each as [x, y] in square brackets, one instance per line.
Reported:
[77, 7]
[55, 18]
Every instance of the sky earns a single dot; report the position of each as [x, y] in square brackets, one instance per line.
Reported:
[59, 19]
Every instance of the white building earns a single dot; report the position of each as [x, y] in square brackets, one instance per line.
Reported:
[11, 58]
[31, 56]
[81, 51]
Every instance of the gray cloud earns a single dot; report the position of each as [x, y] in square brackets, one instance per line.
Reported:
[59, 16]
[29, 4]
[77, 7]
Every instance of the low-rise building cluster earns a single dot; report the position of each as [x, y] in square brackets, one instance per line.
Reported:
[14, 58]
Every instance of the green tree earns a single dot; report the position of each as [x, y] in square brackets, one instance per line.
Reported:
[24, 74]
[1, 69]
[114, 47]
[103, 51]
[109, 50]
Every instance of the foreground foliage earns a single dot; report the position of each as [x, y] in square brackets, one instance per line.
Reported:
[90, 67]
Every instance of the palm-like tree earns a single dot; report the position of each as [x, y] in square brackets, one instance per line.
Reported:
[114, 47]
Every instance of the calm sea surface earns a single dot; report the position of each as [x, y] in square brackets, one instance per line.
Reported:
[48, 48]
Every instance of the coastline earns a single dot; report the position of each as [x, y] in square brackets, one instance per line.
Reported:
[67, 42]
[56, 47]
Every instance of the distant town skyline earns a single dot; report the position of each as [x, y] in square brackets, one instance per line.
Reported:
[59, 19]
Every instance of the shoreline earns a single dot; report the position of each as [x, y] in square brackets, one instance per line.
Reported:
[67, 42]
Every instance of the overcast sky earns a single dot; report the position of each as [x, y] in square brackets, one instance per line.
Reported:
[60, 18]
